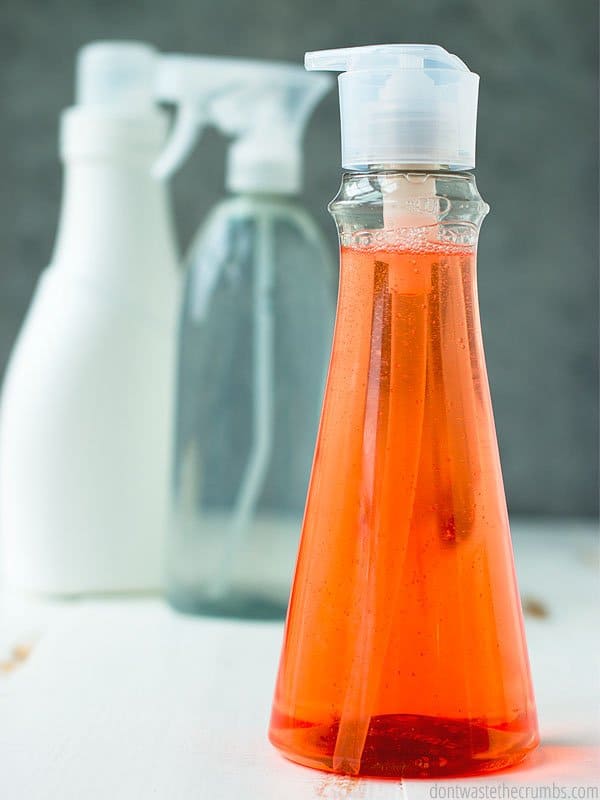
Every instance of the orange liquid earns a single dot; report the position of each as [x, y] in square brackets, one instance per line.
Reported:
[404, 652]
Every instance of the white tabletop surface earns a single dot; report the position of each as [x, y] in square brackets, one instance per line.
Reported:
[123, 699]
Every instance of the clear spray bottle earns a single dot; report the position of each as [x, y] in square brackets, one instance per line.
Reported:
[404, 653]
[254, 340]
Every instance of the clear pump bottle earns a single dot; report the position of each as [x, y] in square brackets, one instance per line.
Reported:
[255, 336]
[404, 653]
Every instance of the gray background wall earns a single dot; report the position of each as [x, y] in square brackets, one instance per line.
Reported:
[537, 167]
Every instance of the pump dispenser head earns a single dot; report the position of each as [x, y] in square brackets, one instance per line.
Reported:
[403, 104]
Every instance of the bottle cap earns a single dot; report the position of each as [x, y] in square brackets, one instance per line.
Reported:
[115, 113]
[403, 104]
[117, 75]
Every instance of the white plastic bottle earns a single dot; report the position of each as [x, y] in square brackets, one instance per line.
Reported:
[86, 411]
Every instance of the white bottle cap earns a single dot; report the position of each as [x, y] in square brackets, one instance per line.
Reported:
[115, 113]
[403, 104]
[117, 74]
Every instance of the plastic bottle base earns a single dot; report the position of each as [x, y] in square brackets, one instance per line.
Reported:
[410, 746]
[234, 605]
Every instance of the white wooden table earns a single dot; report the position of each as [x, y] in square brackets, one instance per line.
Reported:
[125, 699]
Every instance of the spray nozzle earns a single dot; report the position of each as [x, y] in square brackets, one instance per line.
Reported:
[403, 104]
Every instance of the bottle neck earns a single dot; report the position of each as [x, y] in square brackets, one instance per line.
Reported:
[402, 204]
[115, 222]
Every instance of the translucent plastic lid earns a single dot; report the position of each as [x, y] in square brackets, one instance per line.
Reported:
[413, 104]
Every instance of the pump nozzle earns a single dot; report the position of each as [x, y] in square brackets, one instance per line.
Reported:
[403, 104]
